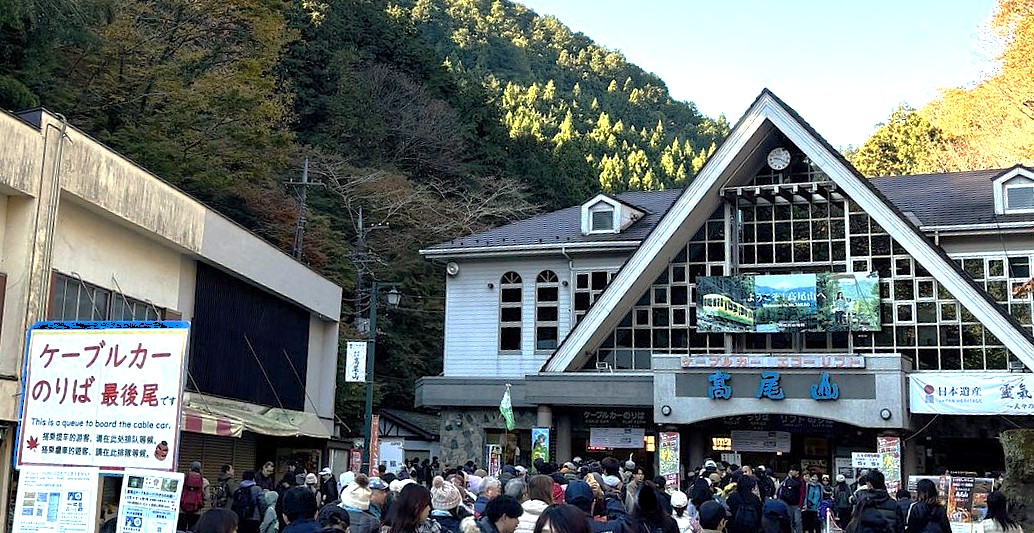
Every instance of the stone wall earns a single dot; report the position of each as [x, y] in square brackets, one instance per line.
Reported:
[463, 432]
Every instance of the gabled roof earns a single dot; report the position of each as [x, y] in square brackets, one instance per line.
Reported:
[948, 198]
[765, 125]
[425, 425]
[563, 227]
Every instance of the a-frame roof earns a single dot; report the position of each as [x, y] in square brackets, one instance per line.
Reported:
[769, 123]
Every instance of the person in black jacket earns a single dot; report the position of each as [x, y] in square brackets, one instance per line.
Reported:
[791, 491]
[649, 515]
[745, 507]
[926, 515]
[875, 511]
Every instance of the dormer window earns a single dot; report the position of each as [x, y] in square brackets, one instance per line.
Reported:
[1019, 197]
[605, 214]
[1014, 191]
[602, 218]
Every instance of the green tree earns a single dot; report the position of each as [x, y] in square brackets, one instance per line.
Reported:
[906, 144]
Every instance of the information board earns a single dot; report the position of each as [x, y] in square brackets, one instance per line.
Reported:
[760, 441]
[150, 501]
[56, 500]
[617, 437]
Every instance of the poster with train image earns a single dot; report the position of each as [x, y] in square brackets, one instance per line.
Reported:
[782, 303]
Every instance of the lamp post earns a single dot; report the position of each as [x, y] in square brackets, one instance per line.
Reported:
[393, 298]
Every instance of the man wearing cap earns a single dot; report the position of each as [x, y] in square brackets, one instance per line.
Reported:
[328, 486]
[712, 517]
[379, 499]
[842, 501]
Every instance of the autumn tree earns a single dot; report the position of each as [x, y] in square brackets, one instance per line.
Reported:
[906, 144]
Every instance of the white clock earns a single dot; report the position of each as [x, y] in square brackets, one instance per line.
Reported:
[779, 158]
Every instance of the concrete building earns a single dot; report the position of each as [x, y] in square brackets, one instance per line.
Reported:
[596, 316]
[86, 234]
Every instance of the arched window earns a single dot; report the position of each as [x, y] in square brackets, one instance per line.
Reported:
[547, 295]
[510, 289]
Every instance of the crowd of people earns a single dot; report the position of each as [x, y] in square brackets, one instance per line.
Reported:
[605, 496]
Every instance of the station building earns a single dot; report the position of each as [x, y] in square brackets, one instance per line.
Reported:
[597, 319]
[86, 234]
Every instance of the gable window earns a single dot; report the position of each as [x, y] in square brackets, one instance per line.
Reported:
[510, 289]
[547, 296]
[602, 219]
[1019, 197]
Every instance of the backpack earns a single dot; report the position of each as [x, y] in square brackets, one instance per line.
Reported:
[244, 503]
[193, 497]
[221, 494]
[747, 518]
[842, 500]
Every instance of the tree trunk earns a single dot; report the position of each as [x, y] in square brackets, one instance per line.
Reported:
[1019, 474]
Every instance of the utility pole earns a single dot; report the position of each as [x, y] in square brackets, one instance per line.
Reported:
[299, 227]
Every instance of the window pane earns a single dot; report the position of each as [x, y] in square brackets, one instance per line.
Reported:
[1020, 197]
[603, 220]
[510, 339]
[511, 295]
[548, 313]
[547, 294]
[546, 338]
[510, 314]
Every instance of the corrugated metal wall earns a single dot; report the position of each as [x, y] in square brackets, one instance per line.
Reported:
[228, 310]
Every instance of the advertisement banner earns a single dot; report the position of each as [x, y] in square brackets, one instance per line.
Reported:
[150, 501]
[669, 456]
[789, 303]
[540, 444]
[355, 362]
[971, 394]
[104, 394]
[760, 441]
[493, 458]
[375, 446]
[52, 499]
[627, 438]
[355, 463]
[964, 497]
[889, 449]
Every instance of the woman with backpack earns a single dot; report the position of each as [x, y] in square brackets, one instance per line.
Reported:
[745, 507]
[926, 514]
[192, 499]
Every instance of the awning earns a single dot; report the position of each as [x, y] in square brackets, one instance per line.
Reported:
[219, 416]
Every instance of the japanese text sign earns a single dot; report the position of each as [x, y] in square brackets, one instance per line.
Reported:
[56, 499]
[355, 362]
[971, 394]
[149, 502]
[104, 394]
[867, 460]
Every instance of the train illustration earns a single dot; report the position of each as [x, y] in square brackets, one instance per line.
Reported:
[722, 309]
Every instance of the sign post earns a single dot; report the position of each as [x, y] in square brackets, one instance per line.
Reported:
[103, 394]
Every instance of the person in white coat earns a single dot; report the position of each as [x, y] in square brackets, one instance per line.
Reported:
[540, 496]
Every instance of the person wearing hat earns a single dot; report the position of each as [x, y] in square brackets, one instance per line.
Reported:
[580, 495]
[355, 498]
[712, 517]
[313, 484]
[775, 517]
[379, 497]
[328, 486]
[299, 509]
[270, 523]
[685, 515]
[333, 519]
[447, 505]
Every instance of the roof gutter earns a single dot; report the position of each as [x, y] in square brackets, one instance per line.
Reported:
[529, 249]
[978, 228]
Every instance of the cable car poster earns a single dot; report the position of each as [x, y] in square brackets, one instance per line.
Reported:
[785, 303]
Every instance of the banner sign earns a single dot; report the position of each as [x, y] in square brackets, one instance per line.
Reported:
[669, 456]
[355, 362]
[52, 499]
[615, 418]
[150, 501]
[789, 303]
[540, 444]
[774, 361]
[889, 449]
[375, 446]
[971, 394]
[964, 497]
[355, 463]
[628, 438]
[870, 461]
[760, 441]
[104, 394]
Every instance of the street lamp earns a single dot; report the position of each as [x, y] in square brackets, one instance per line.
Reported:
[393, 298]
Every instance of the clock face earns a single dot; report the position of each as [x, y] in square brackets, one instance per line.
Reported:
[779, 158]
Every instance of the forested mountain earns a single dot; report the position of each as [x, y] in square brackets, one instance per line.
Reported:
[426, 119]
[989, 125]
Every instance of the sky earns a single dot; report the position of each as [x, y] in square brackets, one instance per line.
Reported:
[844, 65]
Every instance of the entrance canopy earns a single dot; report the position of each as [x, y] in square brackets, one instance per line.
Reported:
[228, 418]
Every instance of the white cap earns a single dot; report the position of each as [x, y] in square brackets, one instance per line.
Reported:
[326, 471]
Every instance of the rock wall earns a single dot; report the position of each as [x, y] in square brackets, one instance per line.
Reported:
[1018, 445]
[463, 432]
